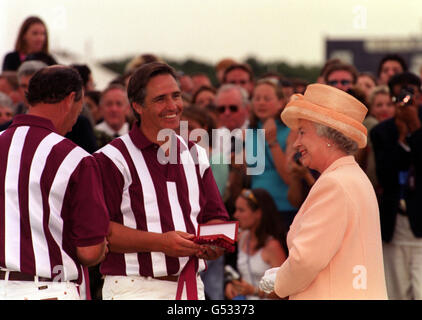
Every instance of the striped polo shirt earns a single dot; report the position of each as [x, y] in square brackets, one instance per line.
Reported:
[51, 201]
[144, 194]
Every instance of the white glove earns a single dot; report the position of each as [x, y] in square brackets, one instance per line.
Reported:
[267, 281]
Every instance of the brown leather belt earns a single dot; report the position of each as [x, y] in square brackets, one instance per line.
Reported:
[19, 276]
[168, 278]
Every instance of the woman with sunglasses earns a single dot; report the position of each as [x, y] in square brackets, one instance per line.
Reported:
[261, 245]
[32, 39]
[267, 104]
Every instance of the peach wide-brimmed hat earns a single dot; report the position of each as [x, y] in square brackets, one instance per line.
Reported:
[331, 107]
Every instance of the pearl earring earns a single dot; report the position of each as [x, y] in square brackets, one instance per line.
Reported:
[328, 145]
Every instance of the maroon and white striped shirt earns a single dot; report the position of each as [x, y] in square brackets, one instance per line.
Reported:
[143, 194]
[51, 201]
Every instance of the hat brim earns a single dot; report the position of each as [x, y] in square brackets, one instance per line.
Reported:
[302, 109]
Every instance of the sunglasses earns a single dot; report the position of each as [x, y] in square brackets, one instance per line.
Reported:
[239, 82]
[233, 108]
[248, 194]
[343, 82]
[7, 114]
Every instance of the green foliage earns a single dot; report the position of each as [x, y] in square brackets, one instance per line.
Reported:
[191, 66]
[117, 66]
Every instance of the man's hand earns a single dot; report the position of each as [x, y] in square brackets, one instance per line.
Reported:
[179, 244]
[210, 252]
[407, 120]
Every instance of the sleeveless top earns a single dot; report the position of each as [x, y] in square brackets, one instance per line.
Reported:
[251, 267]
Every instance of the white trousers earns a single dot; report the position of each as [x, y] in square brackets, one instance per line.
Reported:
[403, 263]
[144, 288]
[34, 290]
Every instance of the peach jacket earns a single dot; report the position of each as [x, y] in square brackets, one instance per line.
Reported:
[335, 248]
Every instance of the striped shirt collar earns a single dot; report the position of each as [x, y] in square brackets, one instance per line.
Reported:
[27, 119]
[142, 142]
[138, 137]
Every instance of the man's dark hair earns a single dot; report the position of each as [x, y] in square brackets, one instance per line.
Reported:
[201, 89]
[138, 82]
[202, 116]
[95, 95]
[270, 225]
[392, 57]
[53, 84]
[404, 79]
[341, 67]
[243, 66]
[357, 92]
[41, 56]
[84, 72]
[327, 64]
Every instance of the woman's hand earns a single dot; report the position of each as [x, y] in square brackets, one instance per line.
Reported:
[270, 128]
[296, 170]
[210, 252]
[243, 287]
[230, 291]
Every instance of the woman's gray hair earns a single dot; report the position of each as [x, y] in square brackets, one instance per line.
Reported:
[344, 143]
[5, 100]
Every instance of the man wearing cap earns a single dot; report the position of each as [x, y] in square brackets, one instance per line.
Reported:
[334, 242]
[397, 144]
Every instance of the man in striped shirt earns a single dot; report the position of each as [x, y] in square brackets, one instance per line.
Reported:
[155, 207]
[53, 219]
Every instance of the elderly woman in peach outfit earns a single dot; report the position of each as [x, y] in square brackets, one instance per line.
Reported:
[334, 242]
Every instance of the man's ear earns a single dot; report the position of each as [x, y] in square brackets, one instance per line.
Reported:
[137, 107]
[69, 100]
